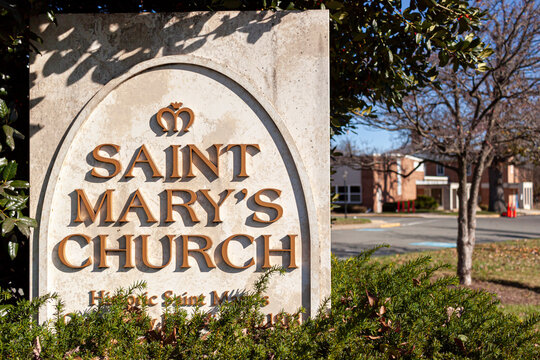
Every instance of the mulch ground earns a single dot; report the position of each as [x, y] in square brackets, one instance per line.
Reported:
[510, 293]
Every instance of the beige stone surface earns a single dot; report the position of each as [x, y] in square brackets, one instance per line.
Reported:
[249, 78]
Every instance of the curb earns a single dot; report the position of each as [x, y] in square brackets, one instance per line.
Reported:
[424, 215]
[373, 225]
[390, 225]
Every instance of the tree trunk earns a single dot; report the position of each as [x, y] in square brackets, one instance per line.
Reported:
[496, 190]
[472, 204]
[464, 248]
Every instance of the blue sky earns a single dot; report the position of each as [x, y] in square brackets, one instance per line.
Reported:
[369, 138]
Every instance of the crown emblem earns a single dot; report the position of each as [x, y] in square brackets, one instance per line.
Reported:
[176, 110]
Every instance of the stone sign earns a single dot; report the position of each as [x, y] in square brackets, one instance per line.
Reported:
[189, 151]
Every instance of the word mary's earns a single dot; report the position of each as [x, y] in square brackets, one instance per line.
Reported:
[179, 200]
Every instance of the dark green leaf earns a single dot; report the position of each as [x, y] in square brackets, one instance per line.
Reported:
[4, 110]
[16, 204]
[334, 5]
[28, 221]
[443, 58]
[10, 170]
[24, 229]
[13, 249]
[8, 131]
[8, 225]
[18, 134]
[20, 184]
[13, 116]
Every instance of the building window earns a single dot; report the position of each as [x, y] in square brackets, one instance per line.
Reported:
[469, 170]
[440, 170]
[355, 194]
[343, 193]
[349, 194]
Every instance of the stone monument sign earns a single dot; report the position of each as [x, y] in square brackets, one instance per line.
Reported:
[189, 151]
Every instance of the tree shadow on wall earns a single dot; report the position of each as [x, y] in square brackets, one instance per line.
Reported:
[182, 33]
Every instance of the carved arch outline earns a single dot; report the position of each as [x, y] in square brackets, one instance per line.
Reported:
[39, 285]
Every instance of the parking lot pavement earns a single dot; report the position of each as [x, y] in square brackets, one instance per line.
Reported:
[419, 234]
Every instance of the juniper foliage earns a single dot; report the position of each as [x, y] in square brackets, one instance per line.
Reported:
[377, 312]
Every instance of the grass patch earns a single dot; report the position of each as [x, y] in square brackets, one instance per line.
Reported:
[521, 311]
[511, 269]
[509, 261]
[350, 220]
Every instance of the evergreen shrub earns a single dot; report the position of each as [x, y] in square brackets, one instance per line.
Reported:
[389, 207]
[377, 312]
[351, 208]
[424, 202]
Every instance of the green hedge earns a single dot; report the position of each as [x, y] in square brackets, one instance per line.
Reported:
[422, 202]
[351, 208]
[378, 312]
[389, 207]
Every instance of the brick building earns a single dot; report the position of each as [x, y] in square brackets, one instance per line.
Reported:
[398, 177]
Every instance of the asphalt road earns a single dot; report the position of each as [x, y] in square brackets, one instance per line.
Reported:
[419, 234]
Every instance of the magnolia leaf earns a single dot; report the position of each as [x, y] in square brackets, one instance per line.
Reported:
[13, 248]
[8, 225]
[20, 184]
[18, 134]
[10, 170]
[4, 110]
[24, 229]
[13, 116]
[16, 203]
[8, 131]
[28, 221]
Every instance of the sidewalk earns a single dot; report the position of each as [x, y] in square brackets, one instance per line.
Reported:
[375, 224]
[427, 215]
[528, 212]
